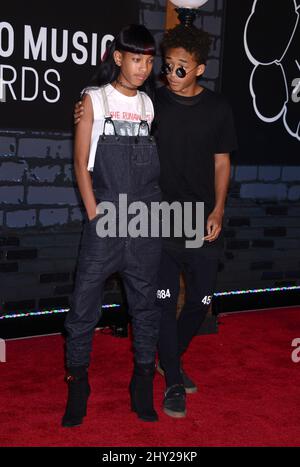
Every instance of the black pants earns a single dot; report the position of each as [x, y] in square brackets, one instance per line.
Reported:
[137, 261]
[200, 267]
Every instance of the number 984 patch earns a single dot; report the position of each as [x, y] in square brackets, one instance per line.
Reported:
[163, 294]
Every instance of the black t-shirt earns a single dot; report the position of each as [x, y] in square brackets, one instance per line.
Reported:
[189, 132]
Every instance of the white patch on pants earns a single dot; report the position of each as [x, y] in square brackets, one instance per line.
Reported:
[206, 300]
[162, 294]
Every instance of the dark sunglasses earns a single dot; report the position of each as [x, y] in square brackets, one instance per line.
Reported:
[167, 68]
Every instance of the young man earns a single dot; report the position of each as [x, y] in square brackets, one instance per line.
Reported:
[195, 134]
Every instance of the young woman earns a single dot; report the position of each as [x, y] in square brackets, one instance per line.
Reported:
[112, 141]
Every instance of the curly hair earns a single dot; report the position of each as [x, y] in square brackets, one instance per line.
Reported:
[193, 40]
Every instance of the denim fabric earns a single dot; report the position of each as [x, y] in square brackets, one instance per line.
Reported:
[123, 165]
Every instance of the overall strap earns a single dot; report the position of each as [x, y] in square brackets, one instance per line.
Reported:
[105, 103]
[107, 116]
[143, 121]
[142, 101]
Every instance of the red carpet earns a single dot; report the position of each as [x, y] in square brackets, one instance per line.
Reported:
[248, 390]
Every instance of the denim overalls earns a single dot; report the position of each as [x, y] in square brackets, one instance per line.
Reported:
[123, 165]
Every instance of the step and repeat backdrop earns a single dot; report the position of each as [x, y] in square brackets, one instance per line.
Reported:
[261, 76]
[48, 51]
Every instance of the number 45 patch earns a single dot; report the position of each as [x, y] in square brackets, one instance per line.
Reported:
[207, 299]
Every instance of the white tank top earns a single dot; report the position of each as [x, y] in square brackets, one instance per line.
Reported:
[125, 111]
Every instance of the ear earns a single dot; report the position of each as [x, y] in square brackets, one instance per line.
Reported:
[201, 69]
[117, 57]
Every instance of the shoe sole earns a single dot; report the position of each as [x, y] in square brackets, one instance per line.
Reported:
[173, 414]
[148, 419]
[65, 425]
[191, 390]
[71, 425]
[187, 390]
[145, 419]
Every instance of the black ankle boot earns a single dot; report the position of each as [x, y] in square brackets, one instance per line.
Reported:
[78, 393]
[141, 392]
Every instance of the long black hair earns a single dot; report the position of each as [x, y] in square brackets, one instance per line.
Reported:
[134, 38]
